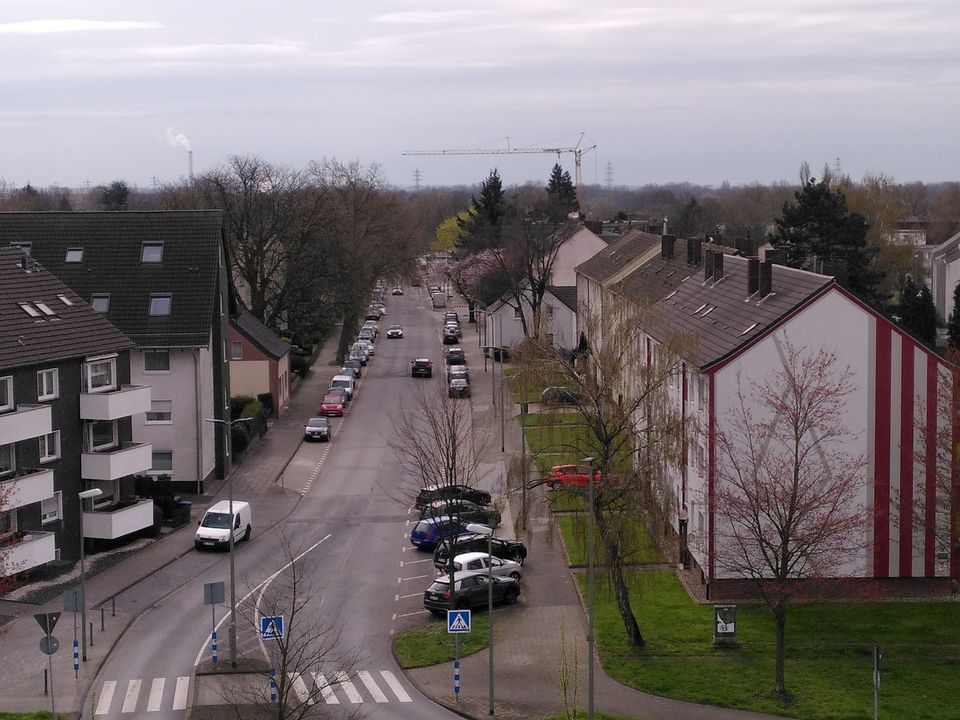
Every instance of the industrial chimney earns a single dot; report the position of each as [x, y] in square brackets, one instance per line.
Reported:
[190, 164]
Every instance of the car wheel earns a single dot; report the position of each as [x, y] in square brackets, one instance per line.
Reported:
[515, 575]
[511, 596]
[246, 533]
[518, 557]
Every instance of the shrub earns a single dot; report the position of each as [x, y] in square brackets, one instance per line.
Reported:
[237, 404]
[267, 400]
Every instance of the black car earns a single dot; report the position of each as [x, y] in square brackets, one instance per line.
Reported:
[554, 396]
[394, 331]
[451, 315]
[464, 510]
[471, 590]
[500, 547]
[474, 495]
[317, 428]
[421, 367]
[354, 366]
[456, 356]
[451, 336]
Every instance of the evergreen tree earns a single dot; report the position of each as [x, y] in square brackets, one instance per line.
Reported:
[916, 311]
[818, 231]
[953, 327]
[561, 193]
[481, 229]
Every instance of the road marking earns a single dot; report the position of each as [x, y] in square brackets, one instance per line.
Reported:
[130, 700]
[367, 679]
[156, 694]
[326, 691]
[414, 562]
[300, 688]
[404, 597]
[418, 612]
[348, 687]
[180, 693]
[395, 686]
[106, 697]
[415, 577]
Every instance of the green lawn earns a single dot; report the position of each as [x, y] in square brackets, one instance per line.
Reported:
[573, 528]
[431, 643]
[550, 418]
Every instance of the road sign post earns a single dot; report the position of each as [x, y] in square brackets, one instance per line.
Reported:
[213, 594]
[458, 623]
[47, 622]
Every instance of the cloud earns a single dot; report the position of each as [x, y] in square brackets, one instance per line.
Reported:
[66, 25]
[177, 139]
[428, 17]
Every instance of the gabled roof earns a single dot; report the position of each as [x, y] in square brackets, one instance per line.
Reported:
[111, 264]
[31, 338]
[260, 335]
[566, 294]
[656, 277]
[947, 247]
[614, 259]
[720, 315]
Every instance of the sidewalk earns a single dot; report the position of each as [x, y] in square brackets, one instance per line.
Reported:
[22, 665]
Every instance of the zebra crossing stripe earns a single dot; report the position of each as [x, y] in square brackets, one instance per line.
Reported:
[156, 694]
[180, 693]
[130, 699]
[395, 685]
[348, 687]
[106, 697]
[326, 691]
[300, 688]
[375, 691]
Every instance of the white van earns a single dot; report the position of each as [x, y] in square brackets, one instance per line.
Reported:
[345, 382]
[439, 300]
[214, 530]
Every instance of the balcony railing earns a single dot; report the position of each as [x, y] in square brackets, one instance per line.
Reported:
[29, 486]
[26, 550]
[115, 521]
[27, 421]
[126, 401]
[128, 459]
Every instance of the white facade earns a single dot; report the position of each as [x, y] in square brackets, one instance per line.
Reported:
[557, 322]
[944, 275]
[579, 247]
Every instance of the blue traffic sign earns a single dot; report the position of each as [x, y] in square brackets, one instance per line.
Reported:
[271, 627]
[458, 621]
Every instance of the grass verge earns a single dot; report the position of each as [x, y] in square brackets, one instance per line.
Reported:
[640, 550]
[431, 644]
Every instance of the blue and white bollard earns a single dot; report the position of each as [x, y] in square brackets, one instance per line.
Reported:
[456, 678]
[76, 657]
[273, 685]
[214, 641]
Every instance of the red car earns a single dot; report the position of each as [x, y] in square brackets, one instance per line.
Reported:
[578, 475]
[332, 405]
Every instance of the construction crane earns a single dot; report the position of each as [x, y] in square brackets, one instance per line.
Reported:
[577, 151]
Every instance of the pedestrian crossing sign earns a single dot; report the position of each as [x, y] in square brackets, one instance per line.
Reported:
[271, 627]
[458, 621]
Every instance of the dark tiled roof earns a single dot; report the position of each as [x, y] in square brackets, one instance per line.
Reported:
[721, 318]
[612, 259]
[111, 264]
[657, 277]
[260, 334]
[72, 332]
[567, 294]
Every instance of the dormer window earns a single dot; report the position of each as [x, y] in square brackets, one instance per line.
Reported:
[24, 246]
[100, 302]
[45, 309]
[65, 300]
[74, 255]
[29, 309]
[152, 252]
[160, 304]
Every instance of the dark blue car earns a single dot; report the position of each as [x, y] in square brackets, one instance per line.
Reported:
[427, 533]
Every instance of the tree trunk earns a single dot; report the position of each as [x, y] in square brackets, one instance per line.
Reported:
[780, 618]
[346, 335]
[634, 636]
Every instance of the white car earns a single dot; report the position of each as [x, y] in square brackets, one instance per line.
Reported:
[368, 345]
[394, 331]
[480, 561]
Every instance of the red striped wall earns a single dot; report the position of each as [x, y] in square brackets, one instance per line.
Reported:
[881, 454]
[907, 439]
[930, 479]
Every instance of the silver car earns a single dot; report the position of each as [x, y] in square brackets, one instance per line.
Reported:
[480, 561]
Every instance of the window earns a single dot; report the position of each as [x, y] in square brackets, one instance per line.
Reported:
[162, 461]
[45, 309]
[101, 435]
[156, 361]
[6, 459]
[74, 255]
[517, 313]
[24, 246]
[152, 252]
[48, 385]
[65, 300]
[51, 508]
[160, 412]
[50, 446]
[8, 523]
[236, 350]
[6, 393]
[100, 302]
[160, 304]
[99, 375]
[29, 309]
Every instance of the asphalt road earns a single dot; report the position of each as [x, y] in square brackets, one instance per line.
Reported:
[365, 579]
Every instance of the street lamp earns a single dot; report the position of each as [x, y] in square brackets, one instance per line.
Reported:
[488, 531]
[233, 576]
[92, 493]
[591, 611]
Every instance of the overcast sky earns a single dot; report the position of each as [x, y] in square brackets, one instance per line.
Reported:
[668, 90]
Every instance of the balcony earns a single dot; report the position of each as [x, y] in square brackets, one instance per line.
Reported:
[27, 550]
[29, 486]
[128, 459]
[27, 421]
[115, 521]
[128, 400]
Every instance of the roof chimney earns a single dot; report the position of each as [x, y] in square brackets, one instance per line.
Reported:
[666, 246]
[708, 264]
[766, 278]
[717, 266]
[753, 275]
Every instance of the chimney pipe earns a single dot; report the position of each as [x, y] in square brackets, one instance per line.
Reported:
[717, 266]
[190, 164]
[708, 265]
[666, 246]
[689, 251]
[766, 278]
[753, 275]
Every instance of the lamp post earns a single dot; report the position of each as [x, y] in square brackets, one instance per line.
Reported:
[590, 600]
[86, 494]
[488, 531]
[232, 635]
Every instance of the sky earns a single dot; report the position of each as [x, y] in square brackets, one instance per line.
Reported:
[736, 91]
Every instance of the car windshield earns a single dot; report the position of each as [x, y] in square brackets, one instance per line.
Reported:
[394, 327]
[216, 520]
[439, 586]
[458, 383]
[331, 398]
[318, 422]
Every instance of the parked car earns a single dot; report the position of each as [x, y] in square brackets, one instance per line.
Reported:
[373, 325]
[463, 510]
[578, 475]
[429, 494]
[359, 352]
[345, 381]
[482, 562]
[431, 289]
[556, 396]
[501, 547]
[367, 345]
[332, 404]
[455, 372]
[342, 392]
[451, 315]
[456, 356]
[451, 336]
[317, 428]
[214, 528]
[438, 300]
[366, 334]
[394, 331]
[372, 313]
[352, 365]
[397, 291]
[421, 367]
[471, 589]
[428, 532]
[458, 388]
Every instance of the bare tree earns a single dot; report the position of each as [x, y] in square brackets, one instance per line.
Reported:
[786, 497]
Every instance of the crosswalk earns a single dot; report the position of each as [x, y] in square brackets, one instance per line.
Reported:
[126, 697]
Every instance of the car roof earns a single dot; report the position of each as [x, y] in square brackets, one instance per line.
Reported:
[318, 421]
[468, 556]
[421, 359]
[459, 381]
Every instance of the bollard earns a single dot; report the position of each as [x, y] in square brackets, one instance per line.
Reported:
[113, 606]
[45, 682]
[273, 685]
[91, 633]
[102, 616]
